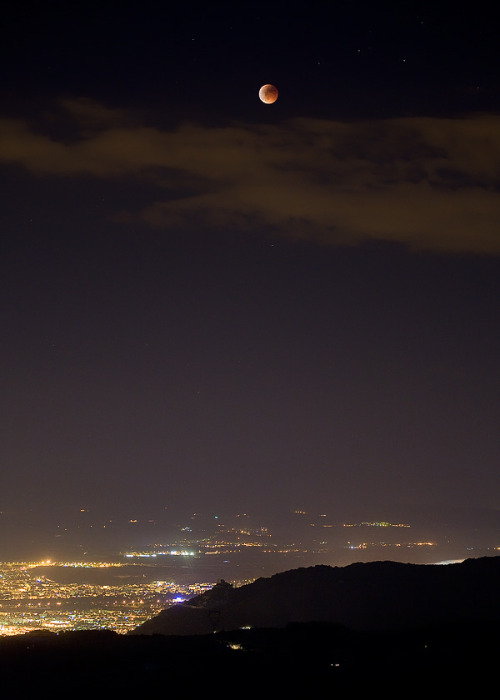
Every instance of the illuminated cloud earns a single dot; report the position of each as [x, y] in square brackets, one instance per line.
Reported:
[429, 183]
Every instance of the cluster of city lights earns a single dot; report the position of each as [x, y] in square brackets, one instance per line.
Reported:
[153, 555]
[31, 601]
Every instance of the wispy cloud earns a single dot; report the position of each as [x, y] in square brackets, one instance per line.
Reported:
[426, 182]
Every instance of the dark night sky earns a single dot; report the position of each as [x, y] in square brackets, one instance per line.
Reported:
[208, 302]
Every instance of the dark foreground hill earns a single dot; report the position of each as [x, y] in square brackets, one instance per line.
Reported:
[310, 660]
[376, 596]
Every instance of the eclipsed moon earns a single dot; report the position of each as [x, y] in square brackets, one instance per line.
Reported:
[268, 94]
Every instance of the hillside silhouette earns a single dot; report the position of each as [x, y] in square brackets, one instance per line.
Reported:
[381, 627]
[311, 659]
[374, 596]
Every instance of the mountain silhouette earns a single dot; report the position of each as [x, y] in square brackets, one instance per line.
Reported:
[372, 596]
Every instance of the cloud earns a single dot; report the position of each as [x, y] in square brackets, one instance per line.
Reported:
[94, 115]
[429, 183]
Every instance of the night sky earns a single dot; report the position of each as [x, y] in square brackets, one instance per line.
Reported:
[212, 303]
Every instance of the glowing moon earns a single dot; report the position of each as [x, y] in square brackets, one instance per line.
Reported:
[268, 94]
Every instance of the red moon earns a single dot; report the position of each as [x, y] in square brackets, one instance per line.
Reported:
[268, 94]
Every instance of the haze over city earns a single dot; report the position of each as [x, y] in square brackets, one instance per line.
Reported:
[216, 306]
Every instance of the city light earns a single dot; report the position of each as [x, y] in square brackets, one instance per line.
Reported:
[30, 601]
[32, 596]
